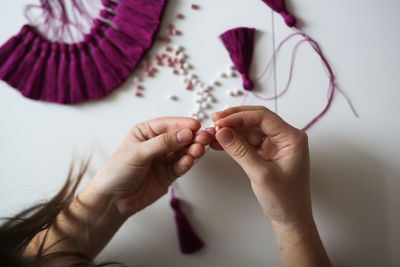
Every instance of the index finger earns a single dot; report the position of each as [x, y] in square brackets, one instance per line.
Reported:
[155, 127]
[269, 123]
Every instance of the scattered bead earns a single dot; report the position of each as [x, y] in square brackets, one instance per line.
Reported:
[194, 6]
[138, 94]
[222, 75]
[173, 97]
[179, 16]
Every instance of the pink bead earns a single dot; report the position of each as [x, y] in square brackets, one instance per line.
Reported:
[176, 32]
[139, 87]
[179, 16]
[168, 48]
[194, 6]
[138, 94]
[189, 85]
[175, 71]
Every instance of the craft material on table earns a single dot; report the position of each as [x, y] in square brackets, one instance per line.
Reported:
[54, 71]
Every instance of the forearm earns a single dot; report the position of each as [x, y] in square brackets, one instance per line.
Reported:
[85, 227]
[300, 245]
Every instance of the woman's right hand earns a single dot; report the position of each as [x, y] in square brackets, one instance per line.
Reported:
[275, 157]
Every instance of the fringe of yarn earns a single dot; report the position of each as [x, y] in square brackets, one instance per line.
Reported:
[189, 241]
[90, 70]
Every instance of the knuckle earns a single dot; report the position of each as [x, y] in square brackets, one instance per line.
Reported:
[240, 151]
[163, 140]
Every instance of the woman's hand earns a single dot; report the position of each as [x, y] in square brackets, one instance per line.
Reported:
[150, 158]
[275, 157]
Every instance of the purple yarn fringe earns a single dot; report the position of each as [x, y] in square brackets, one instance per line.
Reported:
[68, 74]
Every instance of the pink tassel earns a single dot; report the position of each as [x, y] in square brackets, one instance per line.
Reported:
[240, 44]
[77, 86]
[15, 58]
[34, 84]
[63, 76]
[189, 241]
[12, 44]
[49, 92]
[279, 6]
[91, 74]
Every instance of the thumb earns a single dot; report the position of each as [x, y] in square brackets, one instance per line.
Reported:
[239, 150]
[164, 143]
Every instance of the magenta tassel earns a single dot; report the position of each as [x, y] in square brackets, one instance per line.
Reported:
[34, 84]
[240, 44]
[49, 92]
[63, 76]
[111, 79]
[279, 6]
[12, 44]
[19, 77]
[16, 57]
[91, 74]
[77, 83]
[189, 241]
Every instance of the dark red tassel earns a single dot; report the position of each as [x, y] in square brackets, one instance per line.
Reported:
[279, 6]
[240, 44]
[189, 241]
[34, 85]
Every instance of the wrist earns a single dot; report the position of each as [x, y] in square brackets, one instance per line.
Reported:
[295, 230]
[100, 205]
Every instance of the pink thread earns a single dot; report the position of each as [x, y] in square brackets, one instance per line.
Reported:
[328, 69]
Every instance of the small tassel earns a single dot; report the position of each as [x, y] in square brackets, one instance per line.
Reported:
[16, 57]
[63, 76]
[12, 44]
[49, 92]
[189, 241]
[279, 6]
[76, 80]
[240, 44]
[124, 65]
[93, 84]
[135, 34]
[34, 85]
[111, 79]
[19, 77]
[118, 38]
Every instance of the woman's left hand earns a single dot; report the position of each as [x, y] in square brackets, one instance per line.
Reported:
[150, 158]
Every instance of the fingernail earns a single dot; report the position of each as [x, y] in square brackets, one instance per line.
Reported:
[184, 136]
[226, 137]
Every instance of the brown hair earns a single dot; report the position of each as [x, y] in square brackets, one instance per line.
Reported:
[17, 232]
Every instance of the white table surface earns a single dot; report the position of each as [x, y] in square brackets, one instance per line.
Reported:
[355, 162]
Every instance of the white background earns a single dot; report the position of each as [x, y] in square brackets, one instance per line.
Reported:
[355, 162]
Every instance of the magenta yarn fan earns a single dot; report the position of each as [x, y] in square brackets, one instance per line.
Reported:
[54, 71]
